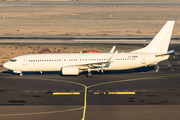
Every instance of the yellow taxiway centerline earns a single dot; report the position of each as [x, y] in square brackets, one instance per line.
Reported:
[85, 97]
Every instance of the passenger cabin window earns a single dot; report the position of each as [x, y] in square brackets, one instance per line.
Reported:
[13, 60]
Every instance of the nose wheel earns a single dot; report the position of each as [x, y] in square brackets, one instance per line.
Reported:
[21, 74]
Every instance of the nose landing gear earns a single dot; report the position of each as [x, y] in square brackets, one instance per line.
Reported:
[157, 68]
[18, 72]
[21, 74]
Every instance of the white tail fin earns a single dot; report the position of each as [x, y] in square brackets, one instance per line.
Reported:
[160, 43]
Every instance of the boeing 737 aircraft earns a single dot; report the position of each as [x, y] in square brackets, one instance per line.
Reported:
[75, 63]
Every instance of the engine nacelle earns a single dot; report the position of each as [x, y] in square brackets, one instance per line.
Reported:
[70, 71]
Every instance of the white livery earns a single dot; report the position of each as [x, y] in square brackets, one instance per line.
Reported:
[75, 63]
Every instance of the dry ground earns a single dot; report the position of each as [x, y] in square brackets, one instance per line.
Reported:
[106, 1]
[86, 20]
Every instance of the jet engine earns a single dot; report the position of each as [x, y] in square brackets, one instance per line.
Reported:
[70, 71]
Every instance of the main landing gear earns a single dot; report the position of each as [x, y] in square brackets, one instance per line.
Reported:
[40, 72]
[157, 68]
[89, 74]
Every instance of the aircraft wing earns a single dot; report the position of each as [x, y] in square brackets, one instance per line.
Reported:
[96, 65]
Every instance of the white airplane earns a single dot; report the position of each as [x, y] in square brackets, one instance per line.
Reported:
[75, 63]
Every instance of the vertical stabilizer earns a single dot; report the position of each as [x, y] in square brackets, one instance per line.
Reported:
[160, 42]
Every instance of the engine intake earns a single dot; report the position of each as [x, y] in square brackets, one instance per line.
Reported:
[70, 71]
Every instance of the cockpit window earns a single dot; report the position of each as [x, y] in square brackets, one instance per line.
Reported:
[13, 60]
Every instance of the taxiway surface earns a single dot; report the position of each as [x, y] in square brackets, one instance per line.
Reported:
[106, 96]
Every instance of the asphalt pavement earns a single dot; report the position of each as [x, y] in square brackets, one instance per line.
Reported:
[118, 95]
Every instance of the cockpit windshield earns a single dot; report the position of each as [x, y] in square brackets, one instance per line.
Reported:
[13, 60]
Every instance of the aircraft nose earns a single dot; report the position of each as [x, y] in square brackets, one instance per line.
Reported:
[6, 65]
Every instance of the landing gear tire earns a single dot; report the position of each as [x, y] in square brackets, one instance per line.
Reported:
[89, 74]
[21, 74]
[157, 68]
[40, 73]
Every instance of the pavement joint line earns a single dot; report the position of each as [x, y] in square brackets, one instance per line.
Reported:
[26, 91]
[72, 90]
[54, 90]
[143, 90]
[35, 91]
[81, 90]
[90, 90]
[99, 90]
[108, 90]
[135, 90]
[38, 113]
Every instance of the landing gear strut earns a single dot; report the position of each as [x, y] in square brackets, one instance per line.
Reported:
[89, 74]
[157, 68]
[40, 72]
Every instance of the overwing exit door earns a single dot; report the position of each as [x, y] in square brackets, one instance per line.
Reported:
[143, 59]
[24, 61]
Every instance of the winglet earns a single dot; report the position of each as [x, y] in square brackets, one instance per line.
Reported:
[113, 57]
[112, 50]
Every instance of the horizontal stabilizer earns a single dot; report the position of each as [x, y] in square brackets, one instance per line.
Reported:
[168, 53]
